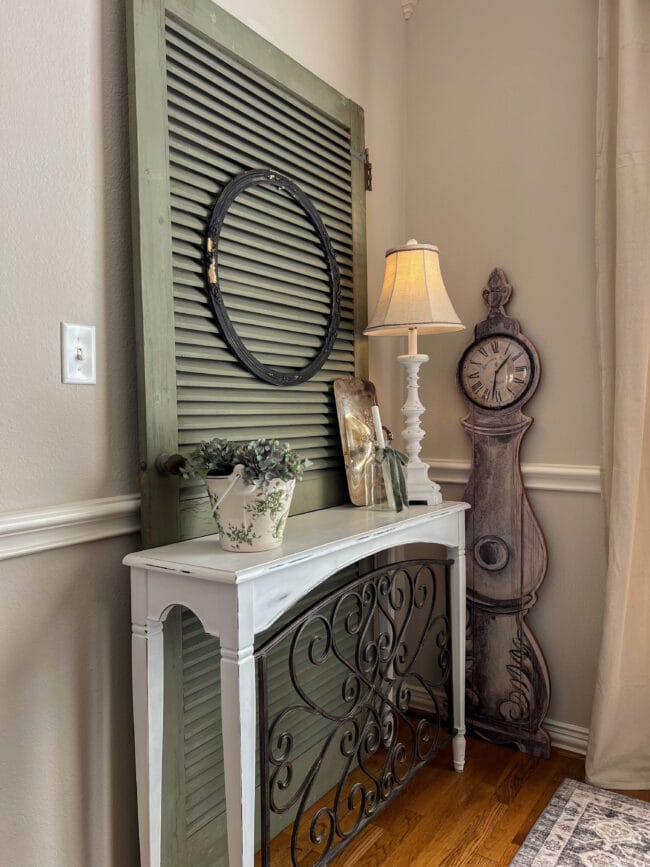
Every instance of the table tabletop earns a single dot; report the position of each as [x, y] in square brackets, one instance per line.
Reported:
[306, 537]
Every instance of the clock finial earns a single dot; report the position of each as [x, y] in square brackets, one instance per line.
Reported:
[497, 292]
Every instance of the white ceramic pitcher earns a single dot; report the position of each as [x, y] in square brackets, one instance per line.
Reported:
[250, 517]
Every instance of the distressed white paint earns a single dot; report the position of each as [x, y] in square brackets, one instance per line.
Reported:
[457, 614]
[236, 596]
[148, 682]
[420, 487]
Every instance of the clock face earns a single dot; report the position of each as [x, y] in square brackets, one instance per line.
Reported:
[496, 371]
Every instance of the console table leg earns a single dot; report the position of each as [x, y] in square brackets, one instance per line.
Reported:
[458, 626]
[238, 714]
[148, 692]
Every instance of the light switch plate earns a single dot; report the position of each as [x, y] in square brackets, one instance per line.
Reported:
[78, 354]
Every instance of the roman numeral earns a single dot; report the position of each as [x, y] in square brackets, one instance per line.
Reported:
[498, 396]
[519, 381]
[483, 351]
[486, 394]
[477, 386]
[518, 355]
[521, 369]
[474, 375]
[495, 346]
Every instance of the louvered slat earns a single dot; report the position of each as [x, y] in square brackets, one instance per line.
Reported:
[193, 193]
[246, 84]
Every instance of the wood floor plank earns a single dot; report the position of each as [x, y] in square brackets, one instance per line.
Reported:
[462, 818]
[466, 851]
[369, 848]
[508, 854]
[501, 836]
[559, 767]
[520, 772]
[445, 819]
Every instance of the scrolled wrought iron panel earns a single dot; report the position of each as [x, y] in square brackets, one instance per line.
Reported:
[369, 636]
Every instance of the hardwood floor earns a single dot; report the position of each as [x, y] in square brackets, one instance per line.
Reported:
[443, 819]
[479, 817]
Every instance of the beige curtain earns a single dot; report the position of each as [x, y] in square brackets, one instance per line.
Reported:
[619, 747]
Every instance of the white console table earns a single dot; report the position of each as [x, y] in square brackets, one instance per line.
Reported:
[236, 596]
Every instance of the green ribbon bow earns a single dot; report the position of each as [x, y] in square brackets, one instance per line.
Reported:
[396, 461]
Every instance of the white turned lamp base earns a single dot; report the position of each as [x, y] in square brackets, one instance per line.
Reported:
[420, 487]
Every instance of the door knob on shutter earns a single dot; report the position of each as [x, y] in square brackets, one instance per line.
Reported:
[170, 465]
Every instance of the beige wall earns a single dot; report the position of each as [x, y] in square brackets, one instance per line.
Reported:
[66, 765]
[65, 252]
[67, 788]
[500, 172]
[501, 165]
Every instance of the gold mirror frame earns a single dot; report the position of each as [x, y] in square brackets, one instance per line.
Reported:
[354, 399]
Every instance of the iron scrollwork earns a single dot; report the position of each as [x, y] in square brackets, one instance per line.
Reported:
[348, 738]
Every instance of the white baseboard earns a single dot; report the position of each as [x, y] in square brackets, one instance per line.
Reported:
[565, 736]
[571, 478]
[36, 530]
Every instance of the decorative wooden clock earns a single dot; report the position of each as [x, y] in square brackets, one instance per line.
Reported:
[508, 687]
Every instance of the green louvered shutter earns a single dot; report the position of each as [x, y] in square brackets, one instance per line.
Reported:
[224, 119]
[210, 99]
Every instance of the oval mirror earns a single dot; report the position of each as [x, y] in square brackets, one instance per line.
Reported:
[272, 277]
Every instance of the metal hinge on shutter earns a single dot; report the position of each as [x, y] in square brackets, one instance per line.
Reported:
[364, 156]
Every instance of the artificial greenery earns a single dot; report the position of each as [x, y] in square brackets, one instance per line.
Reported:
[262, 460]
[214, 457]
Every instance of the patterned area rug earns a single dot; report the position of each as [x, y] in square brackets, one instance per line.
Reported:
[588, 827]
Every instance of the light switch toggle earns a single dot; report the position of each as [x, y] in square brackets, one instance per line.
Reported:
[78, 354]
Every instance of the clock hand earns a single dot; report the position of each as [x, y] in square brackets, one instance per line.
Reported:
[496, 373]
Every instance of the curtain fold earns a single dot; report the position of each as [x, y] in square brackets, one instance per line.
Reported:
[619, 747]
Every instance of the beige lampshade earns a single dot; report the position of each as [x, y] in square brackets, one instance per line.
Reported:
[413, 294]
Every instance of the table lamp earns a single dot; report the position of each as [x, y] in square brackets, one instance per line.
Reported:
[414, 299]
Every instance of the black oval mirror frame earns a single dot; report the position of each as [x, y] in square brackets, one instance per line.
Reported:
[234, 188]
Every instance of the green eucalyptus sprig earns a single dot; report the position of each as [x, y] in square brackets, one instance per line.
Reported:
[395, 462]
[262, 460]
